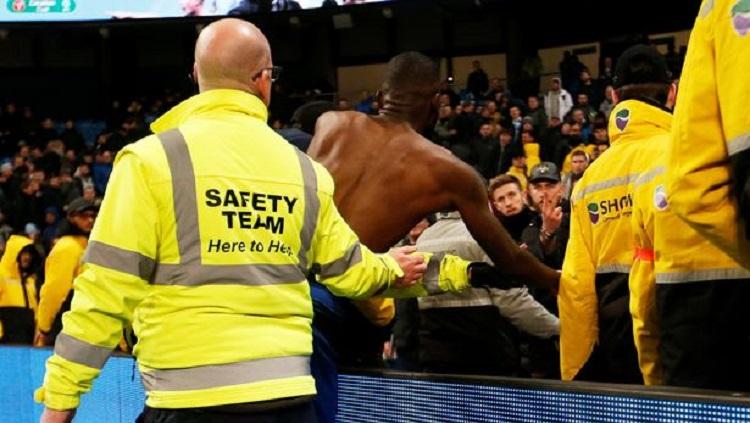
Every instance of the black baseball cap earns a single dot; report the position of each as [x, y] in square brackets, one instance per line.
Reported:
[79, 205]
[544, 171]
[641, 64]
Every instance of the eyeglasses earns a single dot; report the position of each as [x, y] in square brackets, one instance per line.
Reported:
[275, 74]
[274, 70]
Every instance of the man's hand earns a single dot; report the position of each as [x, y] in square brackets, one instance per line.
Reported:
[42, 339]
[57, 416]
[551, 212]
[413, 265]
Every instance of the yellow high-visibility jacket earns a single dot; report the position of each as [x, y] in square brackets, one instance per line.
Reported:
[712, 124]
[378, 311]
[203, 241]
[601, 237]
[63, 264]
[532, 155]
[11, 291]
[13, 246]
[667, 251]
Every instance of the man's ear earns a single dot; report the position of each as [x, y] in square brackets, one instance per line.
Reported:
[672, 96]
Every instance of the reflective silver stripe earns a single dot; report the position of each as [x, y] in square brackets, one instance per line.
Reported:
[431, 276]
[702, 275]
[708, 6]
[218, 375]
[649, 176]
[471, 298]
[613, 268]
[738, 144]
[340, 266]
[609, 183]
[190, 271]
[312, 208]
[121, 260]
[77, 351]
[183, 195]
[239, 274]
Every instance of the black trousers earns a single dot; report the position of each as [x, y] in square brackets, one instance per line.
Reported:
[705, 334]
[297, 413]
[615, 358]
[18, 325]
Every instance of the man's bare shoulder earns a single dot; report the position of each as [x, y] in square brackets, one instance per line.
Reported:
[440, 160]
[332, 127]
[332, 122]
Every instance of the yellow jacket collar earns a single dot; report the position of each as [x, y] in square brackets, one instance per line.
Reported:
[637, 117]
[211, 101]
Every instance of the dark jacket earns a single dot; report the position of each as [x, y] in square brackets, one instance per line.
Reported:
[487, 153]
[73, 140]
[296, 137]
[515, 225]
[531, 233]
[478, 83]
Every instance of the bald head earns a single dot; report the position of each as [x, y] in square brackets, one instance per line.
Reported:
[229, 53]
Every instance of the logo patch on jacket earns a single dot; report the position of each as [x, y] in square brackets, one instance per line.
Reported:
[660, 198]
[623, 117]
[593, 212]
[741, 17]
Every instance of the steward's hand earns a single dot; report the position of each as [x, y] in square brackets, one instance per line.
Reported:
[413, 265]
[57, 416]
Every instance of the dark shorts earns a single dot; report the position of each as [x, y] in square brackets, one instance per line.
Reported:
[296, 410]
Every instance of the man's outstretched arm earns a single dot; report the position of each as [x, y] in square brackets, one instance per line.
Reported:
[470, 198]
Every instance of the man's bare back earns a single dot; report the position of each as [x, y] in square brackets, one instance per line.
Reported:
[388, 178]
[382, 185]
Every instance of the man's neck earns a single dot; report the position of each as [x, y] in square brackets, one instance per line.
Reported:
[401, 114]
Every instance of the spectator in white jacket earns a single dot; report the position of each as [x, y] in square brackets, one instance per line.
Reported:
[480, 330]
[557, 102]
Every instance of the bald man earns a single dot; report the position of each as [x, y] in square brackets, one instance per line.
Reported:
[203, 242]
[388, 177]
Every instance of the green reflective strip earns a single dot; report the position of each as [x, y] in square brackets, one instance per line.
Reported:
[649, 176]
[702, 275]
[338, 267]
[219, 375]
[77, 351]
[312, 208]
[121, 260]
[190, 271]
[183, 195]
[239, 274]
[609, 183]
[738, 144]
[613, 268]
[431, 276]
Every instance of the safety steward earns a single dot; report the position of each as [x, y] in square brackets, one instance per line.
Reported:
[203, 241]
[62, 266]
[596, 331]
[673, 326]
[18, 291]
[708, 186]
[708, 180]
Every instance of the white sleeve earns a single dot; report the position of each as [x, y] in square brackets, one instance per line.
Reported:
[525, 313]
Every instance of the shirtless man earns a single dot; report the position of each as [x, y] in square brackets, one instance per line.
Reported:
[388, 177]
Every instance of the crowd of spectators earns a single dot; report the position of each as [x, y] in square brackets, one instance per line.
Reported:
[531, 151]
